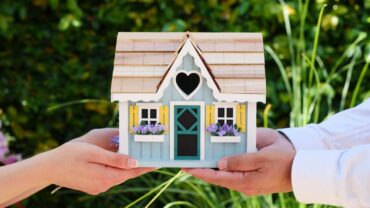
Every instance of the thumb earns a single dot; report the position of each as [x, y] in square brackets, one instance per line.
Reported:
[242, 162]
[113, 159]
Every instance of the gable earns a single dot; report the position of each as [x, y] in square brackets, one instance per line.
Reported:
[234, 63]
[171, 93]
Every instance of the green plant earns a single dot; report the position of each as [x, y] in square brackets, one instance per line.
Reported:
[55, 77]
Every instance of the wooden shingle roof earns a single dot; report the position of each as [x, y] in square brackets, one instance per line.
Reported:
[235, 60]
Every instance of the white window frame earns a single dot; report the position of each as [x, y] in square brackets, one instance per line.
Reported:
[225, 105]
[149, 106]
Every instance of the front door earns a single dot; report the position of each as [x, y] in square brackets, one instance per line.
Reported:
[187, 132]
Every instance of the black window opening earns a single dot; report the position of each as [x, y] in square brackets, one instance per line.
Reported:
[225, 115]
[187, 145]
[148, 116]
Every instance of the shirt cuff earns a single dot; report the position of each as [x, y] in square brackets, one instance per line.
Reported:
[304, 138]
[313, 176]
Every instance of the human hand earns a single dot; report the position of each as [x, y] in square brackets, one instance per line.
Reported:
[89, 165]
[263, 172]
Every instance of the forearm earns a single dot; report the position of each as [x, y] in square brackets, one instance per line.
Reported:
[24, 177]
[21, 196]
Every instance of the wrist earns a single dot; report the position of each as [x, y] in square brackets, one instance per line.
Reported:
[288, 147]
[46, 167]
[285, 139]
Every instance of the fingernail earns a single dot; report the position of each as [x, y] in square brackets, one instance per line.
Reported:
[131, 163]
[222, 164]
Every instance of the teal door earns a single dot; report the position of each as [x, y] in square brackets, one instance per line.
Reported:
[187, 132]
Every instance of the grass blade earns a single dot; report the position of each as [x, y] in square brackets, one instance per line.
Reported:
[358, 84]
[315, 43]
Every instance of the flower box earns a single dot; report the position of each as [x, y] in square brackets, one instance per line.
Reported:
[149, 138]
[225, 139]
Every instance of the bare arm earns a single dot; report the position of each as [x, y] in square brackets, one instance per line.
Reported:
[86, 164]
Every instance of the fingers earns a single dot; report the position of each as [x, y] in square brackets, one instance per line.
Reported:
[132, 173]
[222, 178]
[112, 159]
[242, 162]
[106, 177]
[101, 137]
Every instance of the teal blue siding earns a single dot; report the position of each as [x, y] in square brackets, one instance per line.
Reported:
[159, 153]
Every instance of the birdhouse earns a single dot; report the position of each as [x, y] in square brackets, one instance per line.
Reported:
[187, 99]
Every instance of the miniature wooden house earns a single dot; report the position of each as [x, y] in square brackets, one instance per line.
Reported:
[187, 82]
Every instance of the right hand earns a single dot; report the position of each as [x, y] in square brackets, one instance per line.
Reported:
[264, 172]
[89, 164]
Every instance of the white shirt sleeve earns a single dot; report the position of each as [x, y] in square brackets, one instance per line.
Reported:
[332, 161]
[341, 131]
[335, 177]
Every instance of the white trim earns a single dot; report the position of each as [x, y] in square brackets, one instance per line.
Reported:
[147, 97]
[172, 124]
[225, 139]
[251, 127]
[149, 106]
[188, 48]
[185, 96]
[225, 105]
[149, 138]
[123, 127]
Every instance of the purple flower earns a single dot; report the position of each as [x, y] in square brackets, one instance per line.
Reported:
[212, 128]
[149, 129]
[11, 159]
[4, 151]
[115, 140]
[221, 133]
[3, 146]
[235, 132]
[223, 130]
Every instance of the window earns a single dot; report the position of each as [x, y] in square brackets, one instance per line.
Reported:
[149, 113]
[225, 113]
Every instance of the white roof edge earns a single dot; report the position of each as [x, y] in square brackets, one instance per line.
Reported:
[180, 35]
[148, 97]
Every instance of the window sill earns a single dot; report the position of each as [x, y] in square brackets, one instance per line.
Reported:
[149, 138]
[225, 139]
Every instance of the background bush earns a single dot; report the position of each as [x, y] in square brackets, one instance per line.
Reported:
[56, 62]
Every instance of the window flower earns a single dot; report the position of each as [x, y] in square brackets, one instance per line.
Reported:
[148, 129]
[217, 129]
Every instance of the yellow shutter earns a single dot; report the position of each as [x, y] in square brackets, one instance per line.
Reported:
[131, 118]
[136, 115]
[163, 117]
[210, 115]
[243, 119]
[240, 117]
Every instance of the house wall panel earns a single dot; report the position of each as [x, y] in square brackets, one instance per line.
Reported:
[146, 151]
[161, 151]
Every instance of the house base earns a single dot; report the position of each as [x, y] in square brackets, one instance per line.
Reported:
[178, 163]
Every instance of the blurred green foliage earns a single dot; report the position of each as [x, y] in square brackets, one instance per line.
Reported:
[54, 52]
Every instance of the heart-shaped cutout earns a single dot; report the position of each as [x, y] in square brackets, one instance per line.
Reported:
[188, 83]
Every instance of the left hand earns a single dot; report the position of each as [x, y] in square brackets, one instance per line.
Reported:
[263, 172]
